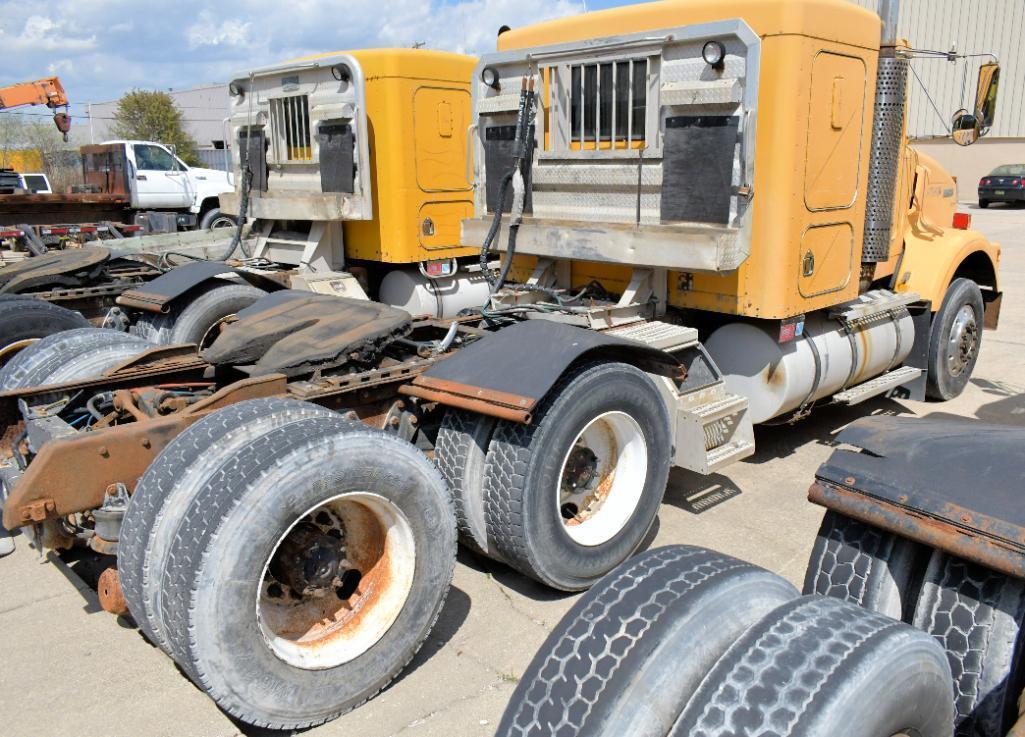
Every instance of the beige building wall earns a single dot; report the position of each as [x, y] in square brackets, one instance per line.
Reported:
[937, 88]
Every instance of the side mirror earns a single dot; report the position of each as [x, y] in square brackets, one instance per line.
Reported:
[986, 95]
[965, 128]
[968, 127]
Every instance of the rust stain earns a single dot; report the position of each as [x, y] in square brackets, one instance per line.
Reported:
[111, 595]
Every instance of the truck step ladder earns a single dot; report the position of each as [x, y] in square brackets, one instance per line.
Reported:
[713, 428]
[879, 385]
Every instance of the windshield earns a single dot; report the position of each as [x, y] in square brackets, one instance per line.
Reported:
[1009, 170]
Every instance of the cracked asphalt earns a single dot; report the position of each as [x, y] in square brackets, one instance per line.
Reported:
[68, 668]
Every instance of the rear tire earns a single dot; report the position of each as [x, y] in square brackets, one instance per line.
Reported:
[983, 204]
[168, 486]
[572, 495]
[24, 320]
[70, 356]
[195, 320]
[864, 565]
[460, 454]
[977, 614]
[631, 651]
[956, 340]
[284, 668]
[820, 666]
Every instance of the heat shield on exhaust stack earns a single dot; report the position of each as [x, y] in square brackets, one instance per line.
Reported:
[887, 135]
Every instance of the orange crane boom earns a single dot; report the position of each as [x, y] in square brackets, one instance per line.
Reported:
[48, 91]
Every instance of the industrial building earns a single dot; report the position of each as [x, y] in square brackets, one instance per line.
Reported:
[204, 109]
[939, 87]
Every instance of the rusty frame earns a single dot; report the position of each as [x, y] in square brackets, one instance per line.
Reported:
[72, 474]
[972, 538]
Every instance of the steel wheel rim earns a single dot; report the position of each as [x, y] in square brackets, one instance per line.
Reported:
[601, 479]
[10, 350]
[321, 629]
[221, 221]
[963, 341]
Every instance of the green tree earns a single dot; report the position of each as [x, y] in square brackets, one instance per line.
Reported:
[153, 116]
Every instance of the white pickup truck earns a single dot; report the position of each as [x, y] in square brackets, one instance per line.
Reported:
[158, 180]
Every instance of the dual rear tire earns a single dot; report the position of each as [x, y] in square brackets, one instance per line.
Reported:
[568, 497]
[288, 571]
[684, 641]
[976, 614]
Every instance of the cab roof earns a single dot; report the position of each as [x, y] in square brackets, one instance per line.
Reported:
[418, 63]
[833, 20]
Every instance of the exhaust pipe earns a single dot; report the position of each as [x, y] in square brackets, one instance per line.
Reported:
[887, 137]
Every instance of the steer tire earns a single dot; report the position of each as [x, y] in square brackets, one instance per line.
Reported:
[399, 522]
[191, 320]
[166, 489]
[460, 453]
[977, 615]
[69, 356]
[627, 656]
[866, 566]
[25, 319]
[524, 473]
[943, 383]
[821, 666]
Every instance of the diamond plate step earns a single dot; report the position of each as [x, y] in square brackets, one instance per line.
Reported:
[728, 453]
[731, 404]
[662, 335]
[879, 385]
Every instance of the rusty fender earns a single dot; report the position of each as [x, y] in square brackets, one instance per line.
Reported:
[968, 540]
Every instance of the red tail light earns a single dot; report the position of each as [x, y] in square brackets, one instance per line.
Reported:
[1015, 182]
[987, 182]
[962, 220]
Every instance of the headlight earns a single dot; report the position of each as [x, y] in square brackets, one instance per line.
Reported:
[341, 73]
[714, 54]
[489, 76]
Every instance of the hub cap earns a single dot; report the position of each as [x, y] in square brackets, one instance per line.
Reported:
[963, 341]
[602, 478]
[336, 581]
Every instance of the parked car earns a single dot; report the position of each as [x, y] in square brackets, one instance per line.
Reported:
[1004, 184]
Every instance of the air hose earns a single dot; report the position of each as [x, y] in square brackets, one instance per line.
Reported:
[522, 155]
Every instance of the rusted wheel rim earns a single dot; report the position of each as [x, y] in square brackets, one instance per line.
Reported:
[963, 341]
[222, 221]
[602, 478]
[336, 581]
[10, 350]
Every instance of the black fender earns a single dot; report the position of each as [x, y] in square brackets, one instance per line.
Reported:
[160, 294]
[509, 372]
[952, 484]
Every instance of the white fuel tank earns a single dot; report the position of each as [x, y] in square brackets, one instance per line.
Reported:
[778, 378]
[442, 298]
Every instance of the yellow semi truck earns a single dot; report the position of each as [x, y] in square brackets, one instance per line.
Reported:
[707, 220]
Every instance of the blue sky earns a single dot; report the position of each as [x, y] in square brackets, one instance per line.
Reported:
[102, 48]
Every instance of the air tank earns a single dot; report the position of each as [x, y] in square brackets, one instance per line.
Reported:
[441, 298]
[777, 378]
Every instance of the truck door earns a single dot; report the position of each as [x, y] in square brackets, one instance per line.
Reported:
[440, 120]
[160, 180]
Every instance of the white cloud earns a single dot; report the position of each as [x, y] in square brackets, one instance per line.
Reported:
[102, 48]
[470, 27]
[207, 32]
[43, 33]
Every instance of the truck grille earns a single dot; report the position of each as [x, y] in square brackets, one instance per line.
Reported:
[290, 124]
[608, 102]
